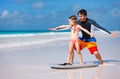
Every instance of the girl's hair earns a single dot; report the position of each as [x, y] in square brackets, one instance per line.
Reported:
[73, 18]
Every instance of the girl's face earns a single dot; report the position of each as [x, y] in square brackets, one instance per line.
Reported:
[71, 22]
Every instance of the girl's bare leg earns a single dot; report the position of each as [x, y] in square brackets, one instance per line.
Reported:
[78, 51]
[70, 54]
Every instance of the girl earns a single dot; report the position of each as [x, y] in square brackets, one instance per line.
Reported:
[74, 40]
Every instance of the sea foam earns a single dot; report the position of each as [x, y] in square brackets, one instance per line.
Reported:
[17, 40]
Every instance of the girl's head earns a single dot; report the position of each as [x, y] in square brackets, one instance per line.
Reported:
[72, 20]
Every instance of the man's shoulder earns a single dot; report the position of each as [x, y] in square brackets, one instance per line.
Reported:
[89, 19]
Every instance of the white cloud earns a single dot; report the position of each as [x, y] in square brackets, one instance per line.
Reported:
[15, 13]
[37, 5]
[4, 14]
[39, 16]
[76, 7]
[15, 18]
[54, 15]
[115, 12]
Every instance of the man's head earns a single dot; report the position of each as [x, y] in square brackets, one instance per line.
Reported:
[82, 14]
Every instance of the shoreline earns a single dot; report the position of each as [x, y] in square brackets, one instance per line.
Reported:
[33, 62]
[19, 40]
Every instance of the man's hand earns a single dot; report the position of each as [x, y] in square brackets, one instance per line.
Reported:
[114, 34]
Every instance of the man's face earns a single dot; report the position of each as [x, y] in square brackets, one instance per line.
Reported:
[82, 17]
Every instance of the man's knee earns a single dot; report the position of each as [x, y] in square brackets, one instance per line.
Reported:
[96, 53]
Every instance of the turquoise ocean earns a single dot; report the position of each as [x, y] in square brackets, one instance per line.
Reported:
[26, 38]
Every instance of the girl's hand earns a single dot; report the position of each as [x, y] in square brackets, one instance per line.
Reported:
[92, 35]
[52, 29]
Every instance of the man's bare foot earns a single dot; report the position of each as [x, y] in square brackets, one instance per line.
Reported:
[104, 63]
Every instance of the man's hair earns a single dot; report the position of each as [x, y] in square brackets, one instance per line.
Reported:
[73, 18]
[82, 12]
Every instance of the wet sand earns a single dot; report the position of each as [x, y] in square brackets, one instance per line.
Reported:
[33, 62]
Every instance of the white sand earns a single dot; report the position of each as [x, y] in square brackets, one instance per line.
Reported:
[33, 62]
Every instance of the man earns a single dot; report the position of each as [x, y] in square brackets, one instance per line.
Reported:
[86, 40]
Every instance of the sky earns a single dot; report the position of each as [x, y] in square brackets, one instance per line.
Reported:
[41, 14]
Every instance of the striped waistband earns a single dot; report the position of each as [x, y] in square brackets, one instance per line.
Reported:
[88, 39]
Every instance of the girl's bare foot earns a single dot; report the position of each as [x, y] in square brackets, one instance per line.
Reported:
[81, 63]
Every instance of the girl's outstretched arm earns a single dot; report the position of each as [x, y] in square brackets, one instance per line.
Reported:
[81, 28]
[60, 27]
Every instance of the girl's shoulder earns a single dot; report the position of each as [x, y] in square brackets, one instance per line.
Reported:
[78, 26]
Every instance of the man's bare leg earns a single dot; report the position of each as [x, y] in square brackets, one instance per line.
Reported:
[98, 56]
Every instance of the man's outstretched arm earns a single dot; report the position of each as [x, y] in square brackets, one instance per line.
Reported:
[98, 26]
[103, 29]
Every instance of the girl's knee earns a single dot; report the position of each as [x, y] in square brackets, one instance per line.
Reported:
[70, 52]
[79, 52]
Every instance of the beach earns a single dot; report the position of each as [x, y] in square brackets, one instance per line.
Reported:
[30, 57]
